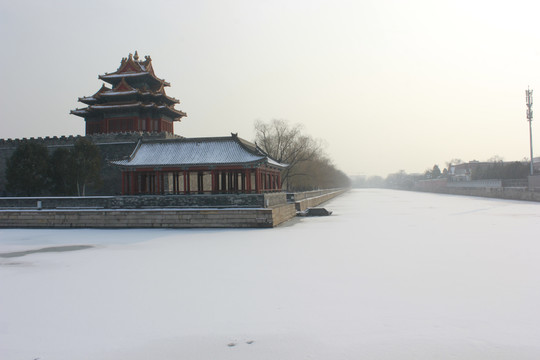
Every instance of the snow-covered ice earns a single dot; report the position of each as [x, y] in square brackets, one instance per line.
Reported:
[390, 275]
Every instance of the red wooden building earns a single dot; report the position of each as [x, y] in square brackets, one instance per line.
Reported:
[198, 166]
[136, 101]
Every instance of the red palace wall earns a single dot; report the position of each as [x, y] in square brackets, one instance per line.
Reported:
[128, 124]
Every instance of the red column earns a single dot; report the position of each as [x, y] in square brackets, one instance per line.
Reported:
[248, 181]
[133, 178]
[258, 181]
[143, 182]
[214, 181]
[162, 182]
[148, 182]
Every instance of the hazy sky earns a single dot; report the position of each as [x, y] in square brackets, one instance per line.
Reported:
[388, 85]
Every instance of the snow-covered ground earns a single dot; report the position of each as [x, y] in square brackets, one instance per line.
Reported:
[390, 275]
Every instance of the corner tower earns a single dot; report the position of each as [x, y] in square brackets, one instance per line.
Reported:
[135, 101]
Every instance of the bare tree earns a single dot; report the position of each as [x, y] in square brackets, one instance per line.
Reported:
[320, 173]
[495, 159]
[454, 161]
[287, 144]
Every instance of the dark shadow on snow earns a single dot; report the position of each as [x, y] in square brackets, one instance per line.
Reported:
[44, 250]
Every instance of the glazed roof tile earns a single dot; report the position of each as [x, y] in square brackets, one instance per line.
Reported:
[197, 152]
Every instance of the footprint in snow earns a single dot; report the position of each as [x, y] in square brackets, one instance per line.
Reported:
[233, 344]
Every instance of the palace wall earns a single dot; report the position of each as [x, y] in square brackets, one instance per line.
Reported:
[145, 201]
[111, 146]
[145, 218]
[250, 210]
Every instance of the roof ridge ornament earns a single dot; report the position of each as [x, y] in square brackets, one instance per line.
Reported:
[136, 57]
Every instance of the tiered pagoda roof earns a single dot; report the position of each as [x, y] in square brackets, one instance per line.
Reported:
[133, 87]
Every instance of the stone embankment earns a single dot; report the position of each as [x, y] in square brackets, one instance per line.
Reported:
[310, 199]
[209, 211]
[497, 193]
[498, 189]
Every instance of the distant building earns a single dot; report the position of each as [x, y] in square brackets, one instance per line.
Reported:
[536, 165]
[460, 172]
[475, 170]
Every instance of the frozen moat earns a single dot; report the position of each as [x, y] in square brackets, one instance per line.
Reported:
[390, 275]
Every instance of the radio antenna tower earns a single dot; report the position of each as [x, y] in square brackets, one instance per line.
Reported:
[529, 99]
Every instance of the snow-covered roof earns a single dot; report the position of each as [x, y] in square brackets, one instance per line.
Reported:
[101, 95]
[116, 106]
[80, 112]
[124, 75]
[197, 152]
[119, 76]
[119, 93]
[104, 107]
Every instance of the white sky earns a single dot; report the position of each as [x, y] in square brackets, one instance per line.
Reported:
[388, 85]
